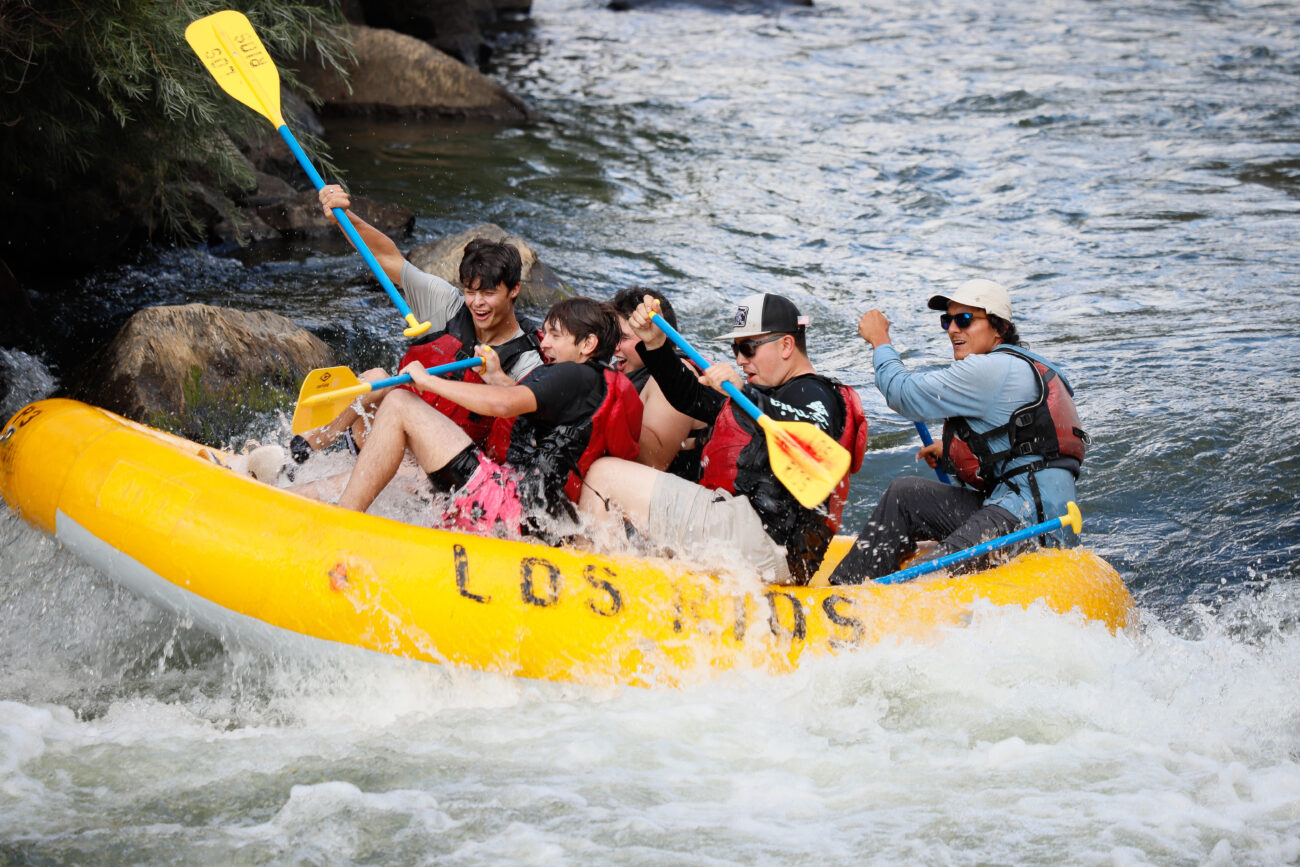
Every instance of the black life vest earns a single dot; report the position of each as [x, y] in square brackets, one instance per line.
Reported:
[735, 460]
[558, 457]
[455, 343]
[1047, 426]
[639, 377]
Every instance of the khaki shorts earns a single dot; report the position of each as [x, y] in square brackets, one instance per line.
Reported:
[696, 521]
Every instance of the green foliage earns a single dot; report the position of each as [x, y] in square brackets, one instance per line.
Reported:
[104, 100]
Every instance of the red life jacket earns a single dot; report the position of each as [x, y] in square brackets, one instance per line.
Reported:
[732, 435]
[1047, 426]
[457, 342]
[735, 460]
[613, 429]
[854, 438]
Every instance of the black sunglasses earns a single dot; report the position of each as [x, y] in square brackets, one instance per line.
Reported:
[747, 348]
[963, 320]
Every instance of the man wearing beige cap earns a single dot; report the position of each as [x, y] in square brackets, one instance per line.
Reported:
[1011, 436]
[739, 505]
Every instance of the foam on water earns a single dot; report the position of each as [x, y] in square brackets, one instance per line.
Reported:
[26, 378]
[1129, 169]
[1016, 738]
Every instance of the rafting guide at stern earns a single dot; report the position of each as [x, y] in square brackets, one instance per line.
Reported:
[481, 315]
[1011, 435]
[739, 501]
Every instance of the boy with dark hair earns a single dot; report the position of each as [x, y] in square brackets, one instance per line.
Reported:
[550, 428]
[490, 263]
[482, 314]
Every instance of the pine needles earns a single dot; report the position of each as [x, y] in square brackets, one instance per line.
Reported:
[106, 96]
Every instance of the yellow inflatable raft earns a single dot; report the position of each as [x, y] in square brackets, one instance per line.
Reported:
[255, 563]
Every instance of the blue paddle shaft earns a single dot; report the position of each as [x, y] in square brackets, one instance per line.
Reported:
[974, 551]
[449, 367]
[734, 393]
[928, 440]
[348, 229]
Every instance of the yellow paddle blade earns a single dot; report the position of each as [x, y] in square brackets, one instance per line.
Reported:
[325, 393]
[805, 459]
[228, 46]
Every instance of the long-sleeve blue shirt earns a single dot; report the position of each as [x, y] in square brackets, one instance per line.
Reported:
[985, 389]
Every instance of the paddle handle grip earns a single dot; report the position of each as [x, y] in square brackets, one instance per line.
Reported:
[928, 440]
[414, 327]
[401, 379]
[449, 367]
[734, 393]
[1071, 518]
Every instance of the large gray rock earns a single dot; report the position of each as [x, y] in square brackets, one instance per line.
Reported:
[226, 222]
[230, 215]
[455, 27]
[399, 76]
[267, 152]
[451, 26]
[540, 287]
[177, 366]
[269, 189]
[301, 216]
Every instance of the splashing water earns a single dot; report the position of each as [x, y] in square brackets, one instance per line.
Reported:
[1130, 171]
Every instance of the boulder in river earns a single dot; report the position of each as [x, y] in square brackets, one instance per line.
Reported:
[398, 76]
[267, 151]
[540, 286]
[199, 369]
[301, 215]
[451, 26]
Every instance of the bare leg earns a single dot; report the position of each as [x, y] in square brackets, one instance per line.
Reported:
[328, 488]
[627, 487]
[324, 436]
[404, 421]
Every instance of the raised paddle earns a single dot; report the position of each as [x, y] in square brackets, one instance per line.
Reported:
[1071, 519]
[927, 440]
[228, 46]
[803, 456]
[327, 391]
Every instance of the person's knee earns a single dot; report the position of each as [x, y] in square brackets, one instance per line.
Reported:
[905, 488]
[402, 410]
[401, 403]
[603, 471]
[592, 503]
[599, 494]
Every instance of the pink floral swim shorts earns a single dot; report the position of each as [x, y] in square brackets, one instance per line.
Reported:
[488, 504]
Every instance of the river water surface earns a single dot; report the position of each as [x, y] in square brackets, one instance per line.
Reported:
[1131, 170]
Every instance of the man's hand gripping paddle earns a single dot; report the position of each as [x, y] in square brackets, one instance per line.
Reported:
[803, 456]
[927, 440]
[228, 46]
[327, 391]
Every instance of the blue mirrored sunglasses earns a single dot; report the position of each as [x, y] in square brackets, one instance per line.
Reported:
[963, 320]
